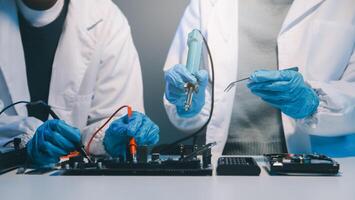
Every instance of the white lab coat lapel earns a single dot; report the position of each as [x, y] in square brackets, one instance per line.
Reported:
[298, 11]
[71, 61]
[221, 22]
[208, 13]
[226, 17]
[12, 60]
[73, 56]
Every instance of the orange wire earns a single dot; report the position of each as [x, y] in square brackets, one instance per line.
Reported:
[129, 110]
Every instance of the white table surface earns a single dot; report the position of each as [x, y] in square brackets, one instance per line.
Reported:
[264, 187]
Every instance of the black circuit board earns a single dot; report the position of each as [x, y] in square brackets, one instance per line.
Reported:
[301, 164]
[112, 167]
[12, 160]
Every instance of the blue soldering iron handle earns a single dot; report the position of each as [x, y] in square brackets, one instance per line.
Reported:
[194, 43]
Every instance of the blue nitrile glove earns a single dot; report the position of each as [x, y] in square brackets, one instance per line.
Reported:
[175, 92]
[138, 126]
[286, 90]
[53, 139]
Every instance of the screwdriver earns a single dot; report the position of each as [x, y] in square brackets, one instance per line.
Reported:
[231, 85]
[132, 142]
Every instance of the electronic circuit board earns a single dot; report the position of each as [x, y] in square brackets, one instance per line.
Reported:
[197, 163]
[301, 164]
[167, 167]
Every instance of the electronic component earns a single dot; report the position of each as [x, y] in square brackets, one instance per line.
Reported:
[12, 158]
[198, 163]
[301, 164]
[168, 167]
[237, 166]
[82, 151]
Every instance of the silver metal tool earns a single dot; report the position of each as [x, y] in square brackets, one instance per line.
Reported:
[231, 85]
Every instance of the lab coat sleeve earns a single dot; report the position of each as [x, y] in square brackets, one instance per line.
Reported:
[17, 127]
[119, 78]
[336, 113]
[178, 55]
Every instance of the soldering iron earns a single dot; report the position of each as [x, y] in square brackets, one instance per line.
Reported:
[194, 43]
[196, 34]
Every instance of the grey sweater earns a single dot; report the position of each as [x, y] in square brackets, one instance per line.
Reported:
[256, 127]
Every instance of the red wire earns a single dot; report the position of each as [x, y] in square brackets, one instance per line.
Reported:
[107, 121]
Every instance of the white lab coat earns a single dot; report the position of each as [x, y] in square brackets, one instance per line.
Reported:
[318, 36]
[96, 69]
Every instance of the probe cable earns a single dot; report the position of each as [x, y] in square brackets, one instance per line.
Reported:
[106, 122]
[48, 107]
[12, 105]
[80, 147]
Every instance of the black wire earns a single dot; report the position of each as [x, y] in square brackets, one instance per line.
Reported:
[194, 141]
[16, 142]
[51, 112]
[6, 108]
[7, 143]
[172, 145]
[12, 105]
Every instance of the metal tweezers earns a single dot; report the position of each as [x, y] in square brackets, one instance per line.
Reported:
[231, 85]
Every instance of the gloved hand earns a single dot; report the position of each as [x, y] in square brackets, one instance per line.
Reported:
[52, 139]
[138, 126]
[286, 90]
[175, 92]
